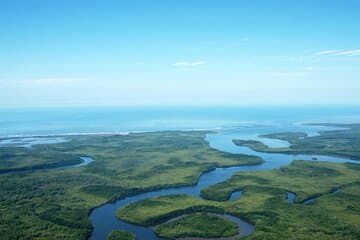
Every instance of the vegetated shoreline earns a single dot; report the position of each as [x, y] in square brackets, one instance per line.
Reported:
[222, 215]
[124, 133]
[289, 151]
[179, 185]
[110, 133]
[228, 196]
[137, 191]
[134, 191]
[20, 136]
[179, 213]
[74, 162]
[140, 191]
[50, 166]
[207, 209]
[169, 186]
[259, 146]
[315, 196]
[77, 159]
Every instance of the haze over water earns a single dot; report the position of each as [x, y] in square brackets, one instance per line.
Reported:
[43, 121]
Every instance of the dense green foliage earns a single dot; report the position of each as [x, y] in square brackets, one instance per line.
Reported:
[261, 147]
[55, 204]
[20, 159]
[304, 178]
[153, 211]
[120, 235]
[344, 143]
[263, 201]
[198, 225]
[331, 216]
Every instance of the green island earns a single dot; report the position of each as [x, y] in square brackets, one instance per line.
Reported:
[120, 235]
[55, 204]
[198, 225]
[343, 143]
[153, 211]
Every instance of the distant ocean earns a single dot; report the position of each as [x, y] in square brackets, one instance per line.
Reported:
[45, 121]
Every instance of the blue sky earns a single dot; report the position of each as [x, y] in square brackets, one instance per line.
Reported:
[74, 53]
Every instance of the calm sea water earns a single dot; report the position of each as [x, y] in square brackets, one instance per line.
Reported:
[43, 121]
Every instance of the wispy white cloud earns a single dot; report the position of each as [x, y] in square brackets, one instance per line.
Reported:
[339, 52]
[188, 64]
[349, 53]
[327, 52]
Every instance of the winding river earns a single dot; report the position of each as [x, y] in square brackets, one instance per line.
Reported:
[29, 142]
[104, 220]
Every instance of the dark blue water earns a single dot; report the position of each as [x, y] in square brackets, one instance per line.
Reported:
[291, 197]
[309, 201]
[235, 195]
[85, 161]
[313, 199]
